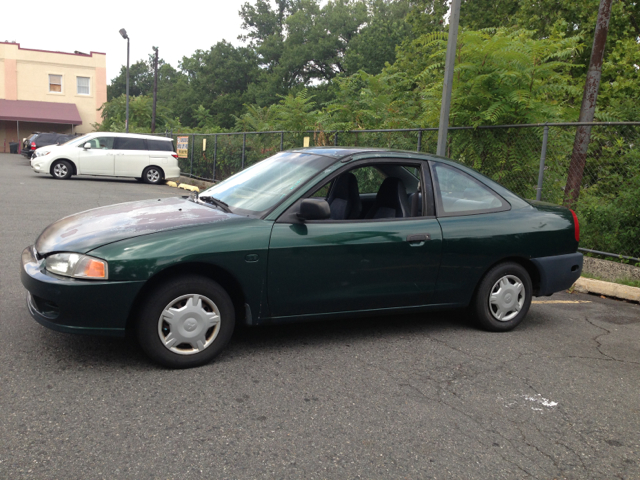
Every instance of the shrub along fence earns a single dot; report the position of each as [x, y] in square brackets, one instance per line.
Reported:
[531, 160]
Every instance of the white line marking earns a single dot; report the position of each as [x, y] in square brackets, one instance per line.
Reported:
[561, 301]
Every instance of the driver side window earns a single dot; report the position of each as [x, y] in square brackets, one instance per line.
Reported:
[374, 192]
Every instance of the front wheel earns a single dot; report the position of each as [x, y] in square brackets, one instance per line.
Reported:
[152, 175]
[503, 297]
[61, 170]
[186, 322]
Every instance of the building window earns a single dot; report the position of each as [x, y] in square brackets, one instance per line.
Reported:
[83, 85]
[55, 83]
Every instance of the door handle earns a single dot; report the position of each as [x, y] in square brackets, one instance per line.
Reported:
[417, 240]
[420, 237]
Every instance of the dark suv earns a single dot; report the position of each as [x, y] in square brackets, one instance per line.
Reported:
[37, 140]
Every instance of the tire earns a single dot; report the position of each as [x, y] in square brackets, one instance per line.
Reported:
[503, 297]
[152, 175]
[185, 322]
[61, 170]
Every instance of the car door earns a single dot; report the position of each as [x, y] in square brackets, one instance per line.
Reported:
[477, 228]
[131, 156]
[328, 266]
[97, 160]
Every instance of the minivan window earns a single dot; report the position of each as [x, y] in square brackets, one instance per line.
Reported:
[128, 143]
[160, 145]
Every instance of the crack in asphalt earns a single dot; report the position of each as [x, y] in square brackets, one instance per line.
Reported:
[599, 344]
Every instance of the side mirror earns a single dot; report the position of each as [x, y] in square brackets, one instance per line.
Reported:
[87, 146]
[314, 209]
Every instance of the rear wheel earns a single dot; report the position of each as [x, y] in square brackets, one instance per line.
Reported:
[152, 175]
[186, 322]
[503, 297]
[61, 170]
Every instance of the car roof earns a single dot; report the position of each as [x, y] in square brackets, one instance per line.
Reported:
[131, 135]
[362, 152]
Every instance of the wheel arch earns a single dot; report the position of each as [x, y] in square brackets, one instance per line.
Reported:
[154, 166]
[211, 271]
[73, 165]
[526, 263]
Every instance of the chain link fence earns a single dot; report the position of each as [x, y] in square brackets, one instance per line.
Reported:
[530, 160]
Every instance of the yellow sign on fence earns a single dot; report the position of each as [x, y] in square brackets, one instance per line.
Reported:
[183, 147]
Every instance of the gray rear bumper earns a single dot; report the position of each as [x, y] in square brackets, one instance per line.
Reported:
[557, 273]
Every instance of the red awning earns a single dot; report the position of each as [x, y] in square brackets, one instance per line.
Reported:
[40, 112]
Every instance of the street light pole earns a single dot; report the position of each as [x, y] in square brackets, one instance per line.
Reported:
[123, 32]
[450, 60]
[155, 89]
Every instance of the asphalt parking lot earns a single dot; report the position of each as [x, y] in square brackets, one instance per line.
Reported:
[413, 397]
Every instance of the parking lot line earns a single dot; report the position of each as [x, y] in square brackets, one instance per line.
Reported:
[561, 301]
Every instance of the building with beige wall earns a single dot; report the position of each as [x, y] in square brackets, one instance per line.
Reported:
[49, 92]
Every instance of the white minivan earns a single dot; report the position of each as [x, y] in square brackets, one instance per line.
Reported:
[145, 157]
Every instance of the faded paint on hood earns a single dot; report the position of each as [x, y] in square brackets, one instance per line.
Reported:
[87, 230]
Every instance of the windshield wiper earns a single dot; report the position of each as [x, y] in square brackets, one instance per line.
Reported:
[214, 201]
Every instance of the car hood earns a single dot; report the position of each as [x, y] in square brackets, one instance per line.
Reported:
[85, 231]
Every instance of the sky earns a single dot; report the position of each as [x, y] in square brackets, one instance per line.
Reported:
[176, 28]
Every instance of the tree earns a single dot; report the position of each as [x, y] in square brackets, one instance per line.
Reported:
[140, 81]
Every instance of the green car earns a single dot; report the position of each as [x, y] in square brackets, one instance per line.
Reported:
[306, 234]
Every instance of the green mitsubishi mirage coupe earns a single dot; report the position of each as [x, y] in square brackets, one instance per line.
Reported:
[306, 234]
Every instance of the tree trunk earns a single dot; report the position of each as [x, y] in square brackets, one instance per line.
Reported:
[588, 108]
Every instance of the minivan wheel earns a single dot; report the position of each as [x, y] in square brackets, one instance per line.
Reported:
[503, 297]
[152, 175]
[185, 322]
[61, 170]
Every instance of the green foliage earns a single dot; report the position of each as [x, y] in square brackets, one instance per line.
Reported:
[610, 222]
[501, 77]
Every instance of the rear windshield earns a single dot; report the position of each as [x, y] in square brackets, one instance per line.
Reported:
[160, 145]
[47, 138]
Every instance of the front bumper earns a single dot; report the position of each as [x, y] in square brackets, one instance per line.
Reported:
[76, 306]
[558, 273]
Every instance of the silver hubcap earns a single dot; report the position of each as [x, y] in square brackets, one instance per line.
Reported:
[60, 170]
[153, 175]
[506, 298]
[189, 324]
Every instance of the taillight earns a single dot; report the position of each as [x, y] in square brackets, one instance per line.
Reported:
[576, 226]
[174, 155]
[33, 145]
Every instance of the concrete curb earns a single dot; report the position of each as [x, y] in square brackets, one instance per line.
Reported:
[191, 184]
[624, 292]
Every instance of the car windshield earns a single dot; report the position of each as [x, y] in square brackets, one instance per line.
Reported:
[76, 140]
[260, 187]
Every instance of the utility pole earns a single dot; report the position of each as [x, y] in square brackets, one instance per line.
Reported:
[155, 89]
[454, 18]
[588, 107]
[123, 32]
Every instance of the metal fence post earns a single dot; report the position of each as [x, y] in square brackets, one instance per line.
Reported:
[215, 155]
[193, 144]
[244, 145]
[543, 156]
[419, 140]
[281, 141]
[335, 139]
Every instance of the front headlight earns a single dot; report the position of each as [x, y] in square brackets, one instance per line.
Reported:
[41, 154]
[77, 266]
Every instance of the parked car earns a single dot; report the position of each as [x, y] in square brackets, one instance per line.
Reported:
[37, 140]
[145, 157]
[307, 234]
